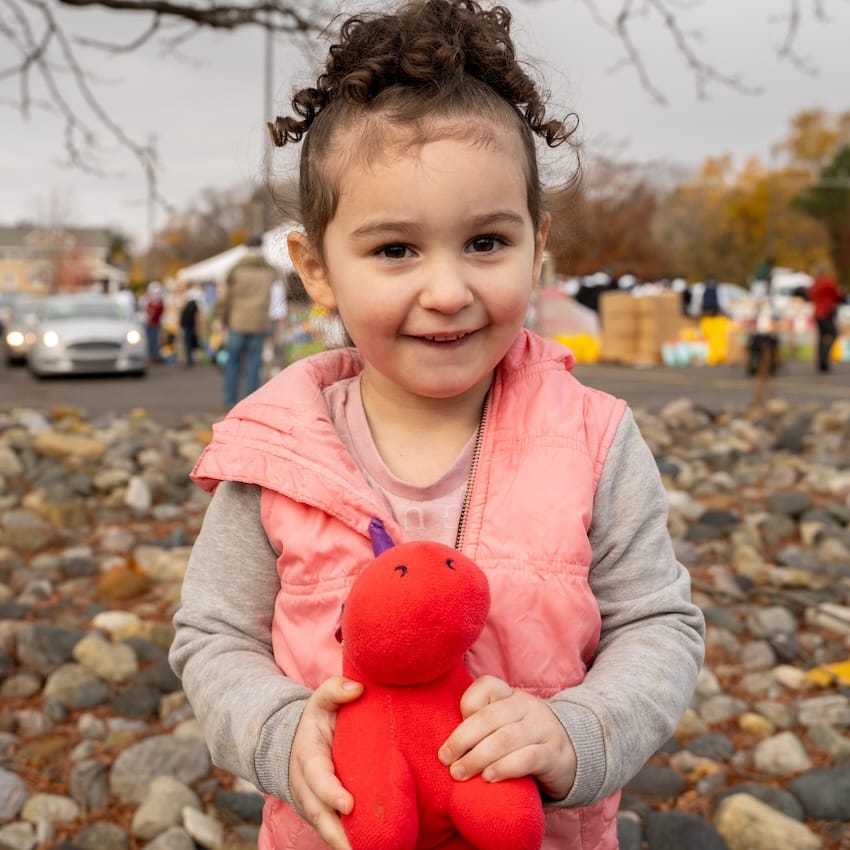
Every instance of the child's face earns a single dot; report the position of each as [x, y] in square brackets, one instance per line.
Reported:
[430, 259]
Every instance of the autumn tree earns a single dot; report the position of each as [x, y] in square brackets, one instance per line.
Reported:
[216, 220]
[724, 221]
[828, 201]
[815, 135]
[605, 223]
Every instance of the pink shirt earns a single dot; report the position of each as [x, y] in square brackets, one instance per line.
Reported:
[429, 512]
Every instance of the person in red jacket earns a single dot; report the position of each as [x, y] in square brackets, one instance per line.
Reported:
[825, 295]
[154, 307]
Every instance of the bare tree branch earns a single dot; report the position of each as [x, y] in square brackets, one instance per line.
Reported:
[686, 43]
[135, 44]
[281, 17]
[50, 68]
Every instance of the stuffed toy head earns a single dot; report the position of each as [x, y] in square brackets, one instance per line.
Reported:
[410, 616]
[413, 612]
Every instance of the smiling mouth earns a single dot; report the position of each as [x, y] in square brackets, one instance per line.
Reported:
[443, 338]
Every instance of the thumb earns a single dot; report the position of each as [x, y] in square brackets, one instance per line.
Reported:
[337, 691]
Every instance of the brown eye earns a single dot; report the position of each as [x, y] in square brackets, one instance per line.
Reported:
[450, 563]
[401, 568]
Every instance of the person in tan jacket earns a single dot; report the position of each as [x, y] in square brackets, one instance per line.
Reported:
[244, 311]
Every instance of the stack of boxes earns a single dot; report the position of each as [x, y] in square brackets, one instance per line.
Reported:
[634, 328]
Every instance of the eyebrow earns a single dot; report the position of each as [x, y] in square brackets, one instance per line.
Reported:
[490, 219]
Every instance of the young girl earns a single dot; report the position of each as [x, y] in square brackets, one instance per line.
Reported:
[424, 227]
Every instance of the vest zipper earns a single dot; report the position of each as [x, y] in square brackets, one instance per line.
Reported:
[476, 453]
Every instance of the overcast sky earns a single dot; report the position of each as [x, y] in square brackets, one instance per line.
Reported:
[205, 110]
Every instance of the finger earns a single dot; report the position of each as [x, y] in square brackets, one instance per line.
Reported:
[335, 692]
[482, 692]
[499, 743]
[326, 822]
[325, 786]
[522, 762]
[494, 712]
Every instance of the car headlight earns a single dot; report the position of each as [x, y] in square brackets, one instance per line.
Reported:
[50, 339]
[134, 337]
[14, 339]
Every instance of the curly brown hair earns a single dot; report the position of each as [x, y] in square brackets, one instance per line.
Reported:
[428, 59]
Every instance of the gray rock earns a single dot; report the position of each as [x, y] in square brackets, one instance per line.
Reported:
[44, 647]
[629, 831]
[162, 755]
[675, 830]
[656, 780]
[824, 793]
[792, 504]
[13, 795]
[137, 701]
[163, 806]
[714, 745]
[76, 687]
[781, 755]
[102, 836]
[770, 620]
[239, 807]
[88, 785]
[175, 838]
[777, 798]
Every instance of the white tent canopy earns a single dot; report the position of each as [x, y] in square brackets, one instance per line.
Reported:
[216, 268]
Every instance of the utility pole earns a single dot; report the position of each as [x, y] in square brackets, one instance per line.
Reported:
[150, 173]
[267, 116]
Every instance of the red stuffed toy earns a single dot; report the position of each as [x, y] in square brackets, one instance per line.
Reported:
[410, 617]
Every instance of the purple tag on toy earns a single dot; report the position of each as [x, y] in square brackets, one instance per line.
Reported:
[381, 541]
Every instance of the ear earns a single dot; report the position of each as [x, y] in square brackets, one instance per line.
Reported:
[310, 268]
[540, 244]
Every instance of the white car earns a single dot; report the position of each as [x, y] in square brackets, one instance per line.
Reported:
[87, 334]
[19, 328]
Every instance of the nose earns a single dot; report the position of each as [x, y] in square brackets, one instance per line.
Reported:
[445, 288]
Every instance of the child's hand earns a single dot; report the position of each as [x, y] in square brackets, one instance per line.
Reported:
[317, 793]
[507, 733]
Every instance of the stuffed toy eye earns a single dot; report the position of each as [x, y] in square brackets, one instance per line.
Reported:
[401, 568]
[450, 563]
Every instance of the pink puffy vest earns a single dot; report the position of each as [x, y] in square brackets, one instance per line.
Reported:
[544, 445]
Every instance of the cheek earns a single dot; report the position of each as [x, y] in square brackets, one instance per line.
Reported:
[509, 300]
[369, 312]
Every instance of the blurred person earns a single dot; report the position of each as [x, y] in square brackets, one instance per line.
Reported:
[190, 315]
[278, 314]
[154, 307]
[127, 299]
[244, 308]
[710, 306]
[825, 295]
[760, 283]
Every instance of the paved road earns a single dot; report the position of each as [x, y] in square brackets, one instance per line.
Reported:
[169, 393]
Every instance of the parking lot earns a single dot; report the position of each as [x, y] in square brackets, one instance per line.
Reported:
[169, 392]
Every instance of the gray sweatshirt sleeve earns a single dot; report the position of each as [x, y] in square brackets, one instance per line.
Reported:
[651, 647]
[222, 649]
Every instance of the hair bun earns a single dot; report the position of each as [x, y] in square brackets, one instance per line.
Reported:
[427, 44]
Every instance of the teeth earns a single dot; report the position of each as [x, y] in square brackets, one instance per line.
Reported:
[445, 338]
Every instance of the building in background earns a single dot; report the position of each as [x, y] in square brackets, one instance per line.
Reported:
[40, 260]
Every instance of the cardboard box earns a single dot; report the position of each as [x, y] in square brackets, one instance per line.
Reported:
[634, 328]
